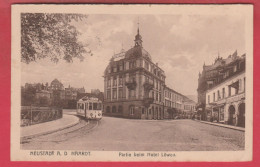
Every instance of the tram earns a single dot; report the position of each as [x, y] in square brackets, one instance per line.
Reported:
[89, 108]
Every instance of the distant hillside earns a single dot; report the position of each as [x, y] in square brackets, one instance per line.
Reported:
[192, 97]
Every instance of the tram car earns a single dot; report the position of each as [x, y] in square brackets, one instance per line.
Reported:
[89, 108]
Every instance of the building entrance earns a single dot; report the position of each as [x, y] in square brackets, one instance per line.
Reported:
[231, 118]
[241, 115]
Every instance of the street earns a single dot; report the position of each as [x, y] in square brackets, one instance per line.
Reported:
[118, 134]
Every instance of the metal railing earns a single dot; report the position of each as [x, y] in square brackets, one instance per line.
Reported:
[31, 115]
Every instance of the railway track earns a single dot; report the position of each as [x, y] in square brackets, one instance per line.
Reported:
[83, 127]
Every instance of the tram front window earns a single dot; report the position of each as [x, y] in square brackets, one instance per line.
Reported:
[99, 106]
[90, 106]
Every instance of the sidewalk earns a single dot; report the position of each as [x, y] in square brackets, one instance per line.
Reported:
[223, 125]
[48, 127]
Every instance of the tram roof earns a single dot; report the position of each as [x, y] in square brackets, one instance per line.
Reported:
[89, 99]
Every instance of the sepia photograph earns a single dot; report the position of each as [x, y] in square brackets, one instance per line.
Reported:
[132, 82]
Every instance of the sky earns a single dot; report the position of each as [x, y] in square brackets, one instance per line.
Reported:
[180, 44]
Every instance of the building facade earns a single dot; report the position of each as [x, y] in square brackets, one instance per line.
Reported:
[189, 108]
[225, 94]
[134, 86]
[173, 103]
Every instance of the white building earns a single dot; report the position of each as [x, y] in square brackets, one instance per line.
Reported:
[227, 100]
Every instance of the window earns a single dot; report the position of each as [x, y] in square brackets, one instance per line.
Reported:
[219, 95]
[244, 83]
[208, 99]
[120, 93]
[235, 68]
[120, 67]
[240, 84]
[146, 78]
[108, 94]
[95, 106]
[90, 106]
[146, 66]
[157, 96]
[114, 69]
[229, 90]
[120, 109]
[114, 93]
[108, 83]
[114, 81]
[132, 64]
[113, 109]
[149, 111]
[99, 106]
[223, 93]
[143, 111]
[132, 110]
[108, 109]
[120, 81]
[154, 71]
[214, 98]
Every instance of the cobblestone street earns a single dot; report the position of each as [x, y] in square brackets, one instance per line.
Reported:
[117, 134]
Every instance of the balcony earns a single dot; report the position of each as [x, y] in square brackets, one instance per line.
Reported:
[148, 101]
[131, 85]
[148, 85]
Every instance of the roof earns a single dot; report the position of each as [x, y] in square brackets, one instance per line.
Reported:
[220, 62]
[137, 51]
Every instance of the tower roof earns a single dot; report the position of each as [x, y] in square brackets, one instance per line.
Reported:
[138, 37]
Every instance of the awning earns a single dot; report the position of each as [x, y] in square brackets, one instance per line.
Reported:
[235, 85]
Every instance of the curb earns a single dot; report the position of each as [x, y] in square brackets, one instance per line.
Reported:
[48, 132]
[219, 125]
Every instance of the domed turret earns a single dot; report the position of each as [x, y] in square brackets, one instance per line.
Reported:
[138, 38]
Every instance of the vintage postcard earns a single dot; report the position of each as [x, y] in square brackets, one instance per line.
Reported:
[132, 83]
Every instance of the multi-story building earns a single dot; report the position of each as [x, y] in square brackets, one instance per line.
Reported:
[173, 103]
[225, 94]
[134, 86]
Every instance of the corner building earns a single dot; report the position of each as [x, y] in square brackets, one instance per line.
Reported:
[225, 98]
[134, 85]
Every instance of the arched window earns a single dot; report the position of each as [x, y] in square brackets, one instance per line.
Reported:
[120, 109]
[108, 109]
[114, 109]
